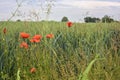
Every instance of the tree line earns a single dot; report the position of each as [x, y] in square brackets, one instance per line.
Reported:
[105, 19]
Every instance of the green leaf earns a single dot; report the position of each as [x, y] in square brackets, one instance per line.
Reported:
[18, 74]
[84, 76]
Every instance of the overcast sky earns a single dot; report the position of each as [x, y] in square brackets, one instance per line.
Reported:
[75, 10]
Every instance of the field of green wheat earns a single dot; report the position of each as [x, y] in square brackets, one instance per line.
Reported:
[64, 55]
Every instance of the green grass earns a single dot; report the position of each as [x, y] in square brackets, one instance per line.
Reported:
[64, 57]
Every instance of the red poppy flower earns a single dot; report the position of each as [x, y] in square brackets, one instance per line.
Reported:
[36, 38]
[69, 24]
[33, 70]
[4, 30]
[24, 45]
[49, 36]
[24, 35]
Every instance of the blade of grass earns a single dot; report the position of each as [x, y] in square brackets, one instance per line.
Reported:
[84, 76]
[18, 74]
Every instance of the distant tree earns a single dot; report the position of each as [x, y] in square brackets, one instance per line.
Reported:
[18, 20]
[64, 19]
[90, 19]
[107, 19]
[87, 19]
[98, 19]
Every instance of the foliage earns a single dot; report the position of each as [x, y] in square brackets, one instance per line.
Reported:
[18, 74]
[18, 20]
[84, 76]
[64, 19]
[90, 19]
[107, 19]
[62, 57]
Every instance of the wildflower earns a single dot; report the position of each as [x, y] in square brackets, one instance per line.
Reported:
[24, 45]
[24, 35]
[4, 30]
[69, 24]
[36, 38]
[49, 36]
[33, 70]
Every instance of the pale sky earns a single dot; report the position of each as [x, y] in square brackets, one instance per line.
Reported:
[75, 10]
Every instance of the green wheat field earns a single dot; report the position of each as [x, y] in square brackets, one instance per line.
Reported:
[85, 51]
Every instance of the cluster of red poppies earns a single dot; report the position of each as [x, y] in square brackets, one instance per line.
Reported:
[35, 39]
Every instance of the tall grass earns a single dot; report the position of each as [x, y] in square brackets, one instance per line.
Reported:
[65, 56]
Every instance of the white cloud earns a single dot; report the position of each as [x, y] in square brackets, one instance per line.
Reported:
[89, 4]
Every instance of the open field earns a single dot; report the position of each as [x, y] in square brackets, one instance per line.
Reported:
[62, 57]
